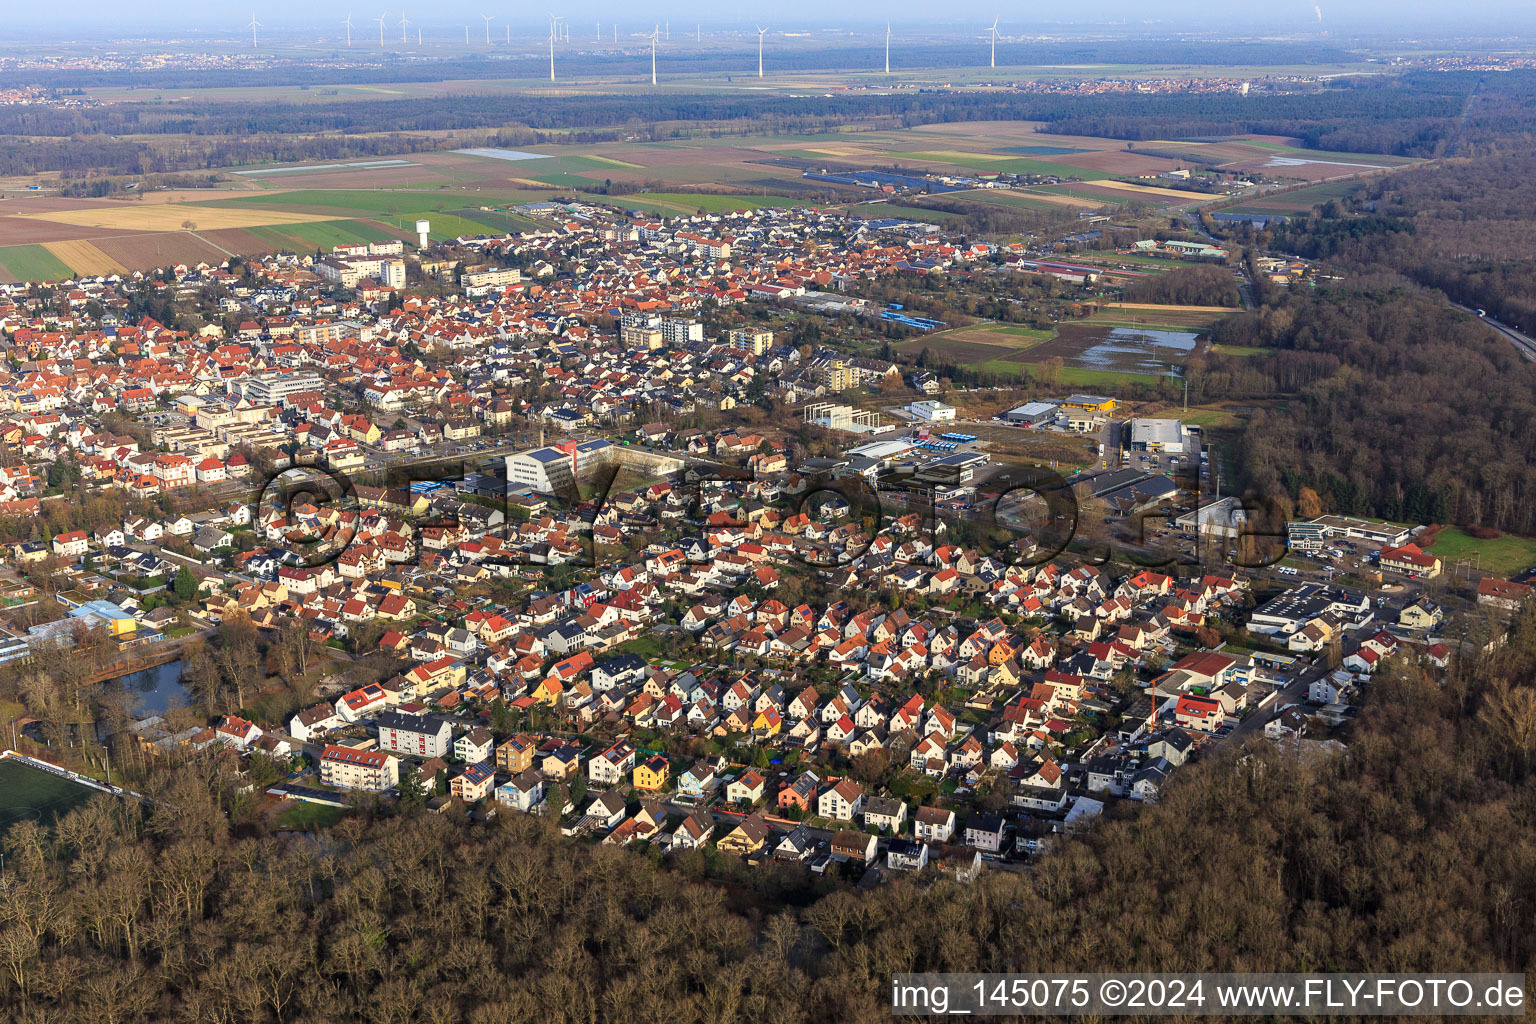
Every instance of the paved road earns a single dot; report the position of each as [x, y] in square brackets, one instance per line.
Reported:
[1522, 342]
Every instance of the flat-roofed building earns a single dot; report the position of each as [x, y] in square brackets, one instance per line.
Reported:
[1159, 435]
[1032, 414]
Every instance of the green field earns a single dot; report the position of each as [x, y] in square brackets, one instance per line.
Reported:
[507, 223]
[329, 233]
[445, 226]
[1005, 199]
[33, 263]
[877, 211]
[1502, 556]
[31, 793]
[1374, 159]
[1075, 376]
[994, 162]
[403, 203]
[688, 203]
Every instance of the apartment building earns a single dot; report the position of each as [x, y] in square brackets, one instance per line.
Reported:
[350, 768]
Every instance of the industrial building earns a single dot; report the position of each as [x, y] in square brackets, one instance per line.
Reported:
[1032, 414]
[1221, 519]
[1159, 435]
[1089, 403]
[931, 411]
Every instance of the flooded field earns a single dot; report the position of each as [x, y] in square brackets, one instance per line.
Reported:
[1122, 349]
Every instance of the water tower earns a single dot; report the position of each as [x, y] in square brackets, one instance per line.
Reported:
[422, 227]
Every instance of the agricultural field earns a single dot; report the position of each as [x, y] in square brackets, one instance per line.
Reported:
[304, 207]
[673, 204]
[1296, 203]
[84, 257]
[28, 793]
[146, 217]
[1007, 199]
[31, 263]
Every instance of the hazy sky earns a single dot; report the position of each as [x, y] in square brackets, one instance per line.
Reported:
[1488, 18]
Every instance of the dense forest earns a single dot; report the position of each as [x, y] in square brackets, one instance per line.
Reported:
[1186, 286]
[1463, 226]
[1410, 115]
[1403, 407]
[1415, 852]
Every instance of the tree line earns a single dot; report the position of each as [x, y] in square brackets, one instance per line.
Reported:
[1411, 853]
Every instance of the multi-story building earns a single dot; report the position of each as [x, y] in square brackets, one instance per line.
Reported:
[611, 766]
[933, 824]
[350, 768]
[421, 735]
[681, 332]
[641, 337]
[516, 754]
[753, 340]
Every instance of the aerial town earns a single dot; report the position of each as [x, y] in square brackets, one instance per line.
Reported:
[516, 506]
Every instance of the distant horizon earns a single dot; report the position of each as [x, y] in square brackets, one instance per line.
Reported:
[287, 22]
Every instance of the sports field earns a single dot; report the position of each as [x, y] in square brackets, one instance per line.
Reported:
[28, 793]
[1501, 556]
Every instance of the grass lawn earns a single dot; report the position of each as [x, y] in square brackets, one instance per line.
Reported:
[32, 263]
[31, 793]
[302, 815]
[1502, 556]
[1077, 375]
[648, 647]
[1241, 350]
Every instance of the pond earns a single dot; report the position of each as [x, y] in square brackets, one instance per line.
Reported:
[155, 688]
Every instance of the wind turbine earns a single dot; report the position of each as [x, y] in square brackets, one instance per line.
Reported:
[760, 31]
[993, 30]
[554, 23]
[348, 23]
[599, 32]
[653, 56]
[404, 21]
[254, 26]
[380, 20]
[887, 47]
[488, 19]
